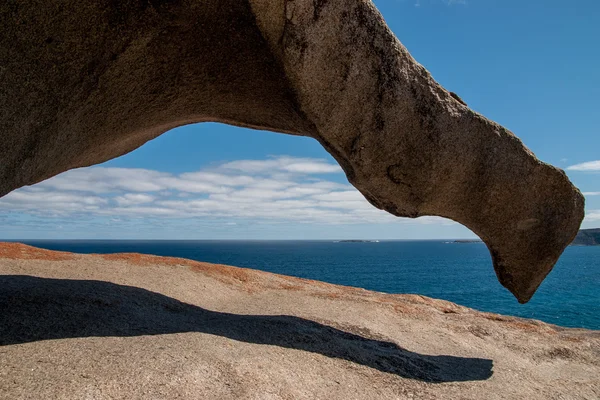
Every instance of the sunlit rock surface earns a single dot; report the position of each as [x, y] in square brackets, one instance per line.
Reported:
[131, 326]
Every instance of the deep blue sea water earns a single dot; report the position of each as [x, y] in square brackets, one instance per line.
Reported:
[459, 272]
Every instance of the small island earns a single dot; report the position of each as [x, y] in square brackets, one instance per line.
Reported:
[356, 241]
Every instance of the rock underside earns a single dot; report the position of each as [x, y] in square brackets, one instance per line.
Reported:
[134, 326]
[84, 81]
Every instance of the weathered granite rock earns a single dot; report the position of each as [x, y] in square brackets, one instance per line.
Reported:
[132, 326]
[82, 82]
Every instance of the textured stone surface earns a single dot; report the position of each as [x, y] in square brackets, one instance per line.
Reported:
[131, 326]
[82, 82]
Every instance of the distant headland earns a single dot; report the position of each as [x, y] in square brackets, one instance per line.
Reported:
[587, 237]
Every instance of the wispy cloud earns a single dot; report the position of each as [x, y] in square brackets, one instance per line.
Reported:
[279, 190]
[592, 216]
[586, 166]
[130, 199]
[591, 193]
[284, 164]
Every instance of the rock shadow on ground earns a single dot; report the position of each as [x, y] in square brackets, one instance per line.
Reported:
[34, 309]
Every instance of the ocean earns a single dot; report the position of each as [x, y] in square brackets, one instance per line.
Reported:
[458, 272]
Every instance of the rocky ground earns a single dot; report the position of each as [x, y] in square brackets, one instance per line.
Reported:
[133, 326]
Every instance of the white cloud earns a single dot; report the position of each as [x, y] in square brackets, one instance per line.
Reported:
[51, 203]
[346, 195]
[148, 211]
[593, 215]
[130, 199]
[591, 193]
[312, 168]
[276, 190]
[284, 164]
[218, 178]
[105, 180]
[586, 166]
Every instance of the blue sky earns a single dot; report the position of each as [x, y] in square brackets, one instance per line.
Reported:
[533, 66]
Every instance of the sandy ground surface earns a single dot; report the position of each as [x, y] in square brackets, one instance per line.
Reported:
[130, 326]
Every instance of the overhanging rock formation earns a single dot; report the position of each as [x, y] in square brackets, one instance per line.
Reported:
[85, 81]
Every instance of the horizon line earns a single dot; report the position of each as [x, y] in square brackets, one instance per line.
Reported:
[240, 240]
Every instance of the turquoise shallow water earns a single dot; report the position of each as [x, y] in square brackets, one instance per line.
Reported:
[462, 273]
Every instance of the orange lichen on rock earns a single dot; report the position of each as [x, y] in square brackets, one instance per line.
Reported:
[521, 323]
[20, 251]
[287, 286]
[214, 270]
